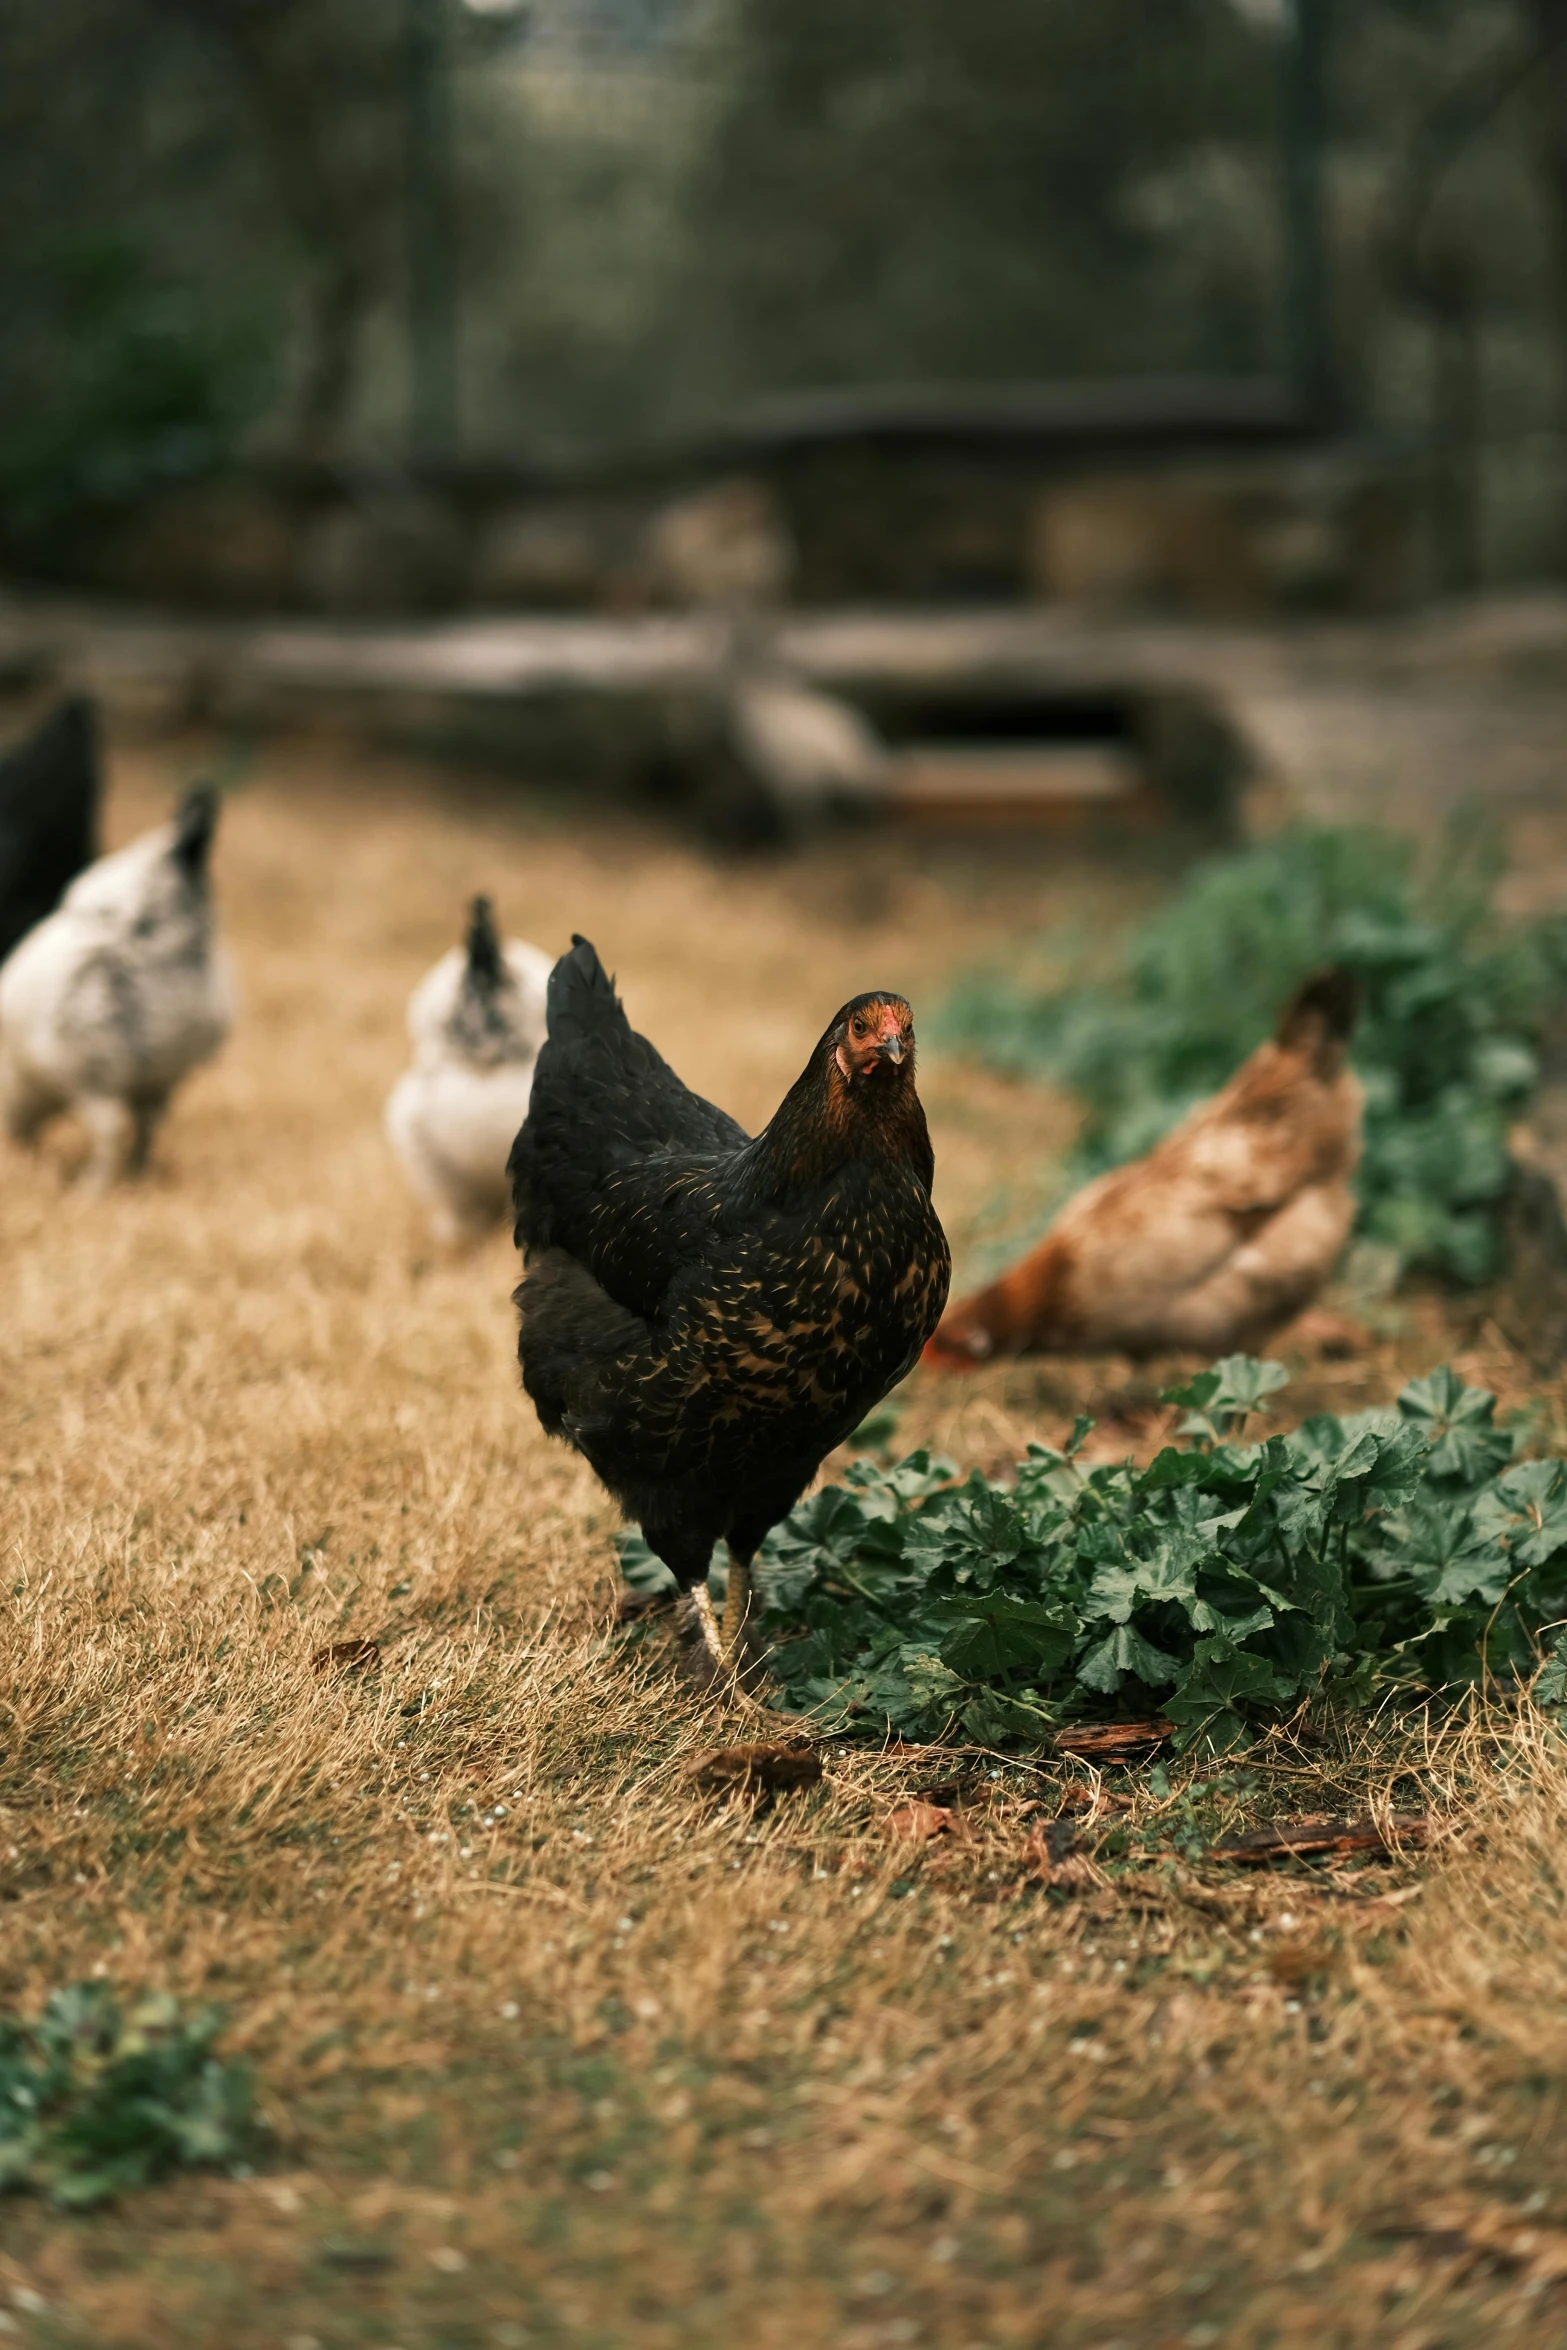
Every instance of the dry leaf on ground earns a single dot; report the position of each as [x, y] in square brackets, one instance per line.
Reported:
[1093, 1801]
[1052, 1853]
[1319, 1331]
[918, 1822]
[768, 1767]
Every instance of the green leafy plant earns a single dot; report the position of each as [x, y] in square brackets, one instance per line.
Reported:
[96, 2098]
[148, 390]
[1446, 1044]
[1224, 1582]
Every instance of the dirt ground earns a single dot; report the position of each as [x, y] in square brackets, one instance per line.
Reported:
[553, 2048]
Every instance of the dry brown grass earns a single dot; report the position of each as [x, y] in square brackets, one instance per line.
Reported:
[618, 2064]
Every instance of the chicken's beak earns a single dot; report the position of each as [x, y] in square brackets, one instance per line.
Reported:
[891, 1048]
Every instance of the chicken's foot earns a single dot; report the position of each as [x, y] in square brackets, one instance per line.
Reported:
[728, 1650]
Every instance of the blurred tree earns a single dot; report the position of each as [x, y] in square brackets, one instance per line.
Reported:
[136, 340]
[1442, 241]
[322, 80]
[665, 207]
[1550, 19]
[432, 256]
[201, 199]
[908, 189]
[1307, 306]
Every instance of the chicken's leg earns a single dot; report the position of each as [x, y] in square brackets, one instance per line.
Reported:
[112, 1126]
[737, 1609]
[727, 1648]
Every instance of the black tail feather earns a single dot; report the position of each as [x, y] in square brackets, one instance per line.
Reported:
[486, 964]
[1322, 1012]
[194, 827]
[581, 993]
[604, 1101]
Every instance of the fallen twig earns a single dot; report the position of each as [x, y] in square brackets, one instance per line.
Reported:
[1303, 1839]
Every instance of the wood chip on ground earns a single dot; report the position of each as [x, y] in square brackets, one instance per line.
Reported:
[1112, 1741]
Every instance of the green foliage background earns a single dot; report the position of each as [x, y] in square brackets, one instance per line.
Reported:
[97, 2097]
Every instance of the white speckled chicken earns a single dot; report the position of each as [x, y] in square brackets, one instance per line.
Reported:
[1223, 1233]
[118, 994]
[477, 1022]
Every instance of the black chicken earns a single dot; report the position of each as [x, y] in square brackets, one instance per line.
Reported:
[49, 790]
[705, 1316]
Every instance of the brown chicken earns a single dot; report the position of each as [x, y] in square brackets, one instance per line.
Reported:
[1223, 1233]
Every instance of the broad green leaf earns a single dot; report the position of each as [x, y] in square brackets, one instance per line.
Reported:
[1527, 1509]
[1550, 1684]
[994, 1719]
[992, 1634]
[1449, 1558]
[1170, 1468]
[1170, 1575]
[886, 1492]
[913, 1689]
[1245, 1383]
[1377, 1472]
[1126, 1651]
[972, 1537]
[1458, 1422]
[1223, 1676]
[1235, 1624]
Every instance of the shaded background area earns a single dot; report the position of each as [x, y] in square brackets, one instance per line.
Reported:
[575, 239]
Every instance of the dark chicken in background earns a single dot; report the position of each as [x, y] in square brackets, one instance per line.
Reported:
[49, 792]
[704, 1315]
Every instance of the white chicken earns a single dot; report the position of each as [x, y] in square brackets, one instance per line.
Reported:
[477, 1022]
[113, 998]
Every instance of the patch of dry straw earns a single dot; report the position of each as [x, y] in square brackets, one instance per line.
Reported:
[553, 2047]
